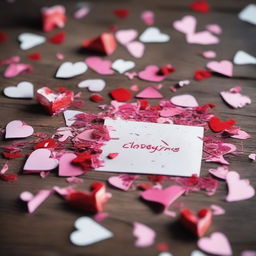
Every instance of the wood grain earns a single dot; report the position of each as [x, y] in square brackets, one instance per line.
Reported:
[46, 232]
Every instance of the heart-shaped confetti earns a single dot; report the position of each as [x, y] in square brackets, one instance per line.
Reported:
[22, 90]
[145, 235]
[203, 38]
[122, 66]
[121, 94]
[235, 100]
[243, 58]
[209, 54]
[220, 172]
[216, 244]
[58, 38]
[151, 73]
[122, 182]
[136, 49]
[126, 36]
[66, 168]
[93, 85]
[15, 69]
[69, 69]
[217, 125]
[197, 224]
[217, 210]
[186, 25]
[29, 40]
[197, 253]
[184, 100]
[18, 129]
[99, 65]
[154, 35]
[165, 197]
[238, 189]
[40, 160]
[149, 93]
[88, 232]
[148, 17]
[224, 67]
[214, 28]
[200, 6]
[248, 14]
[252, 157]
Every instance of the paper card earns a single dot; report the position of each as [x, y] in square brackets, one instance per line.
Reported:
[153, 148]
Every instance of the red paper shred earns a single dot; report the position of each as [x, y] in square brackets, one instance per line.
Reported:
[12, 155]
[156, 178]
[9, 177]
[48, 143]
[34, 56]
[58, 38]
[202, 75]
[121, 94]
[162, 247]
[121, 13]
[78, 104]
[96, 98]
[3, 37]
[200, 6]
[112, 155]
[166, 70]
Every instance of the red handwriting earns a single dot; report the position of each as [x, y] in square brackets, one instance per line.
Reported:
[151, 148]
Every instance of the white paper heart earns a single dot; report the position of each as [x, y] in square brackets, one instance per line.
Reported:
[248, 14]
[29, 40]
[243, 58]
[88, 232]
[69, 116]
[122, 66]
[93, 85]
[197, 253]
[69, 69]
[184, 100]
[22, 90]
[153, 35]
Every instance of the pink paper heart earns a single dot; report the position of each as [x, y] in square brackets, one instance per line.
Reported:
[214, 28]
[100, 65]
[252, 157]
[126, 36]
[238, 189]
[148, 17]
[209, 54]
[217, 210]
[221, 172]
[216, 244]
[203, 37]
[150, 73]
[66, 168]
[163, 196]
[16, 69]
[224, 67]
[235, 100]
[18, 129]
[169, 112]
[184, 100]
[149, 93]
[145, 235]
[186, 25]
[40, 160]
[123, 181]
[136, 49]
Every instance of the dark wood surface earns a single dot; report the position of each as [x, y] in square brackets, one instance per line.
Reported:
[46, 232]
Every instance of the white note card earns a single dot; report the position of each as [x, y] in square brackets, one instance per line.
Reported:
[152, 148]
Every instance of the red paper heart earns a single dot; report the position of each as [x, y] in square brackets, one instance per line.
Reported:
[121, 13]
[200, 6]
[34, 56]
[58, 38]
[217, 125]
[89, 202]
[202, 75]
[197, 224]
[121, 94]
[96, 98]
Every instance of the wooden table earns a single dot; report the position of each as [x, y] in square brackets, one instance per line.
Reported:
[46, 232]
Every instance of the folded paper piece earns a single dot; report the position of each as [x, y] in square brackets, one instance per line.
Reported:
[153, 148]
